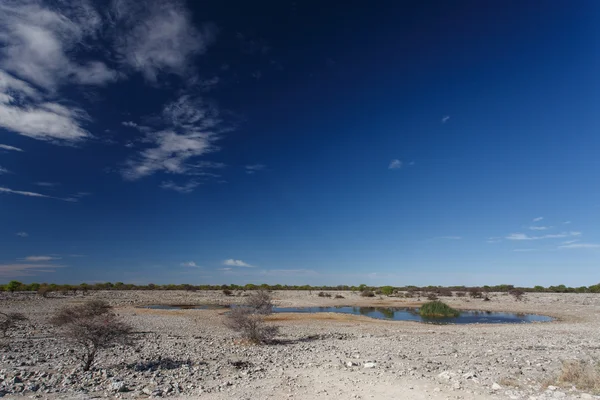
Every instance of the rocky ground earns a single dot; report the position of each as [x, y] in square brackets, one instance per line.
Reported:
[191, 354]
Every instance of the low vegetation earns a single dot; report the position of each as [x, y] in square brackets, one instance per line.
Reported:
[249, 318]
[91, 326]
[45, 289]
[583, 375]
[437, 309]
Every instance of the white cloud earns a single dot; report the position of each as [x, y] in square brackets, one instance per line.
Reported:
[445, 119]
[3, 170]
[46, 184]
[523, 236]
[40, 40]
[224, 269]
[189, 264]
[236, 263]
[570, 241]
[6, 147]
[539, 228]
[40, 258]
[567, 222]
[30, 194]
[193, 126]
[252, 169]
[395, 164]
[22, 234]
[538, 219]
[15, 270]
[130, 124]
[580, 246]
[186, 188]
[159, 36]
[450, 237]
[26, 114]
[524, 250]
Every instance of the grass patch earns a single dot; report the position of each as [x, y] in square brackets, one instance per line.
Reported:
[437, 309]
[583, 375]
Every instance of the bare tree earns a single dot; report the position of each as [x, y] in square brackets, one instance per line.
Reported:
[92, 326]
[249, 318]
[260, 302]
[517, 294]
[9, 321]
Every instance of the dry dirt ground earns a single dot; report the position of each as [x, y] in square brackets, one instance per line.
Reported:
[191, 354]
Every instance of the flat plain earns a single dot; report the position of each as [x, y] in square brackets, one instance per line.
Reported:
[192, 354]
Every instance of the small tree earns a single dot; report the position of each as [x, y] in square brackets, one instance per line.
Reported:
[13, 286]
[92, 326]
[249, 318]
[9, 321]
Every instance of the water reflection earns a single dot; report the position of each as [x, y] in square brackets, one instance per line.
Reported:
[412, 314]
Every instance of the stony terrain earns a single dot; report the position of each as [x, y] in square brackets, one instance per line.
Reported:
[191, 354]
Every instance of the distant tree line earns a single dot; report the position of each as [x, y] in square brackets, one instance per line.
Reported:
[46, 288]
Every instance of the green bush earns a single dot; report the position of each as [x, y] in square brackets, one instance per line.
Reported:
[437, 309]
[387, 290]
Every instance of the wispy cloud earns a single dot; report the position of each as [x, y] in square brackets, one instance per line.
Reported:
[191, 127]
[40, 258]
[22, 110]
[31, 194]
[523, 236]
[450, 237]
[252, 169]
[494, 239]
[47, 184]
[580, 246]
[186, 188]
[445, 119]
[525, 250]
[7, 147]
[22, 234]
[159, 37]
[189, 264]
[567, 222]
[3, 170]
[236, 263]
[16, 270]
[395, 164]
[538, 219]
[539, 228]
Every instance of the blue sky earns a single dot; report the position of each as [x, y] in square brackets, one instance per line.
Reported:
[440, 143]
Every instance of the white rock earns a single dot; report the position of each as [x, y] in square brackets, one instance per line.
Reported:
[495, 386]
[369, 365]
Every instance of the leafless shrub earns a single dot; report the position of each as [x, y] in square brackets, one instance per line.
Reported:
[91, 326]
[339, 296]
[249, 318]
[517, 294]
[367, 293]
[227, 292]
[44, 291]
[260, 302]
[461, 294]
[10, 321]
[583, 375]
[324, 294]
[432, 297]
[250, 325]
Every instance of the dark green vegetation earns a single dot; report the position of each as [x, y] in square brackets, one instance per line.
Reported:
[45, 289]
[437, 309]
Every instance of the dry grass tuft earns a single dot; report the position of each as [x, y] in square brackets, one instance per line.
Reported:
[583, 375]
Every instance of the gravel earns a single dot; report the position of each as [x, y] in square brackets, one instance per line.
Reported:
[190, 353]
